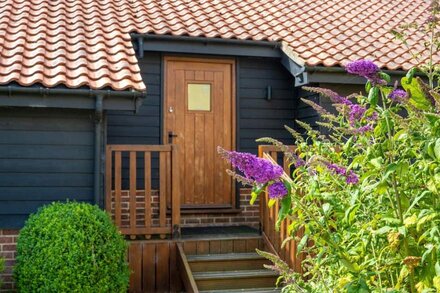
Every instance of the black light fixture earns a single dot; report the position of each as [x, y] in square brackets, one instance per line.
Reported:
[269, 93]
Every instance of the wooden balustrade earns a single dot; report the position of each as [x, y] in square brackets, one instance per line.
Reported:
[269, 216]
[143, 211]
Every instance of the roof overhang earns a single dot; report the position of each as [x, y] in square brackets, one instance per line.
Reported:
[338, 75]
[41, 97]
[223, 47]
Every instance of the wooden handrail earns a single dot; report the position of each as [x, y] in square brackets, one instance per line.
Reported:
[138, 214]
[185, 271]
[140, 148]
[269, 216]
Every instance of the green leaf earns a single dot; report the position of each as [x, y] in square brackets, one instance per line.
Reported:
[383, 230]
[377, 162]
[382, 187]
[286, 205]
[326, 208]
[416, 200]
[368, 87]
[391, 221]
[410, 74]
[429, 149]
[348, 144]
[271, 202]
[373, 96]
[402, 230]
[418, 98]
[256, 190]
[432, 118]
[437, 149]
[437, 268]
[359, 286]
[301, 244]
[401, 134]
[391, 168]
[385, 76]
[350, 213]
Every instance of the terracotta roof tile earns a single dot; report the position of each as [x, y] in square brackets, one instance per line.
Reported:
[87, 43]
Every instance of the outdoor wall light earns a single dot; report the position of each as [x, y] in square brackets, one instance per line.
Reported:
[269, 93]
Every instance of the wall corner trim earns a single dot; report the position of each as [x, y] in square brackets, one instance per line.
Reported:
[294, 64]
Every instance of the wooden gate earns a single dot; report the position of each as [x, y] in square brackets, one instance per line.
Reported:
[143, 211]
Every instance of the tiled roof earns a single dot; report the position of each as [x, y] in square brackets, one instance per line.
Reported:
[87, 43]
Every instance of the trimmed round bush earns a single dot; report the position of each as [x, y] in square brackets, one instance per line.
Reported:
[71, 247]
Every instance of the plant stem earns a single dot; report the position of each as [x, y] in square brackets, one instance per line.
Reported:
[377, 266]
[325, 229]
[395, 188]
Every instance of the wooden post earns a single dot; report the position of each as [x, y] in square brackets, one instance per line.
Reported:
[162, 191]
[262, 202]
[118, 167]
[175, 194]
[132, 195]
[147, 191]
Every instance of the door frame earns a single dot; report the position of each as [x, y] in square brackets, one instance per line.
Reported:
[164, 134]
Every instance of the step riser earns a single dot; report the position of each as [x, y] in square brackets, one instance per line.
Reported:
[228, 265]
[242, 283]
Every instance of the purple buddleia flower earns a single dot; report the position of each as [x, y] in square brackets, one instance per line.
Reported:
[277, 190]
[333, 96]
[356, 113]
[398, 96]
[363, 129]
[350, 176]
[299, 162]
[365, 68]
[260, 170]
[337, 169]
[373, 116]
[342, 100]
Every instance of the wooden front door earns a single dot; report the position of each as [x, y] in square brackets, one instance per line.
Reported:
[199, 113]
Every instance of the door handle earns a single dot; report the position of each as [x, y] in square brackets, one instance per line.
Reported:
[171, 135]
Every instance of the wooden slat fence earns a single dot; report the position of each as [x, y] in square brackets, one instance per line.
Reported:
[143, 211]
[269, 216]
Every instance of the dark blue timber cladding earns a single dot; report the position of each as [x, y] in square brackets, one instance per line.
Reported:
[144, 127]
[46, 155]
[124, 127]
[257, 117]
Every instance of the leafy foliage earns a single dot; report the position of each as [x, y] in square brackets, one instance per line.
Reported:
[367, 192]
[368, 197]
[2, 268]
[381, 233]
[72, 247]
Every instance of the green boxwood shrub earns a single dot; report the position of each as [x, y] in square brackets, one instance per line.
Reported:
[71, 247]
[2, 268]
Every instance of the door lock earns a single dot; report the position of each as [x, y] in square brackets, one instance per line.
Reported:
[171, 109]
